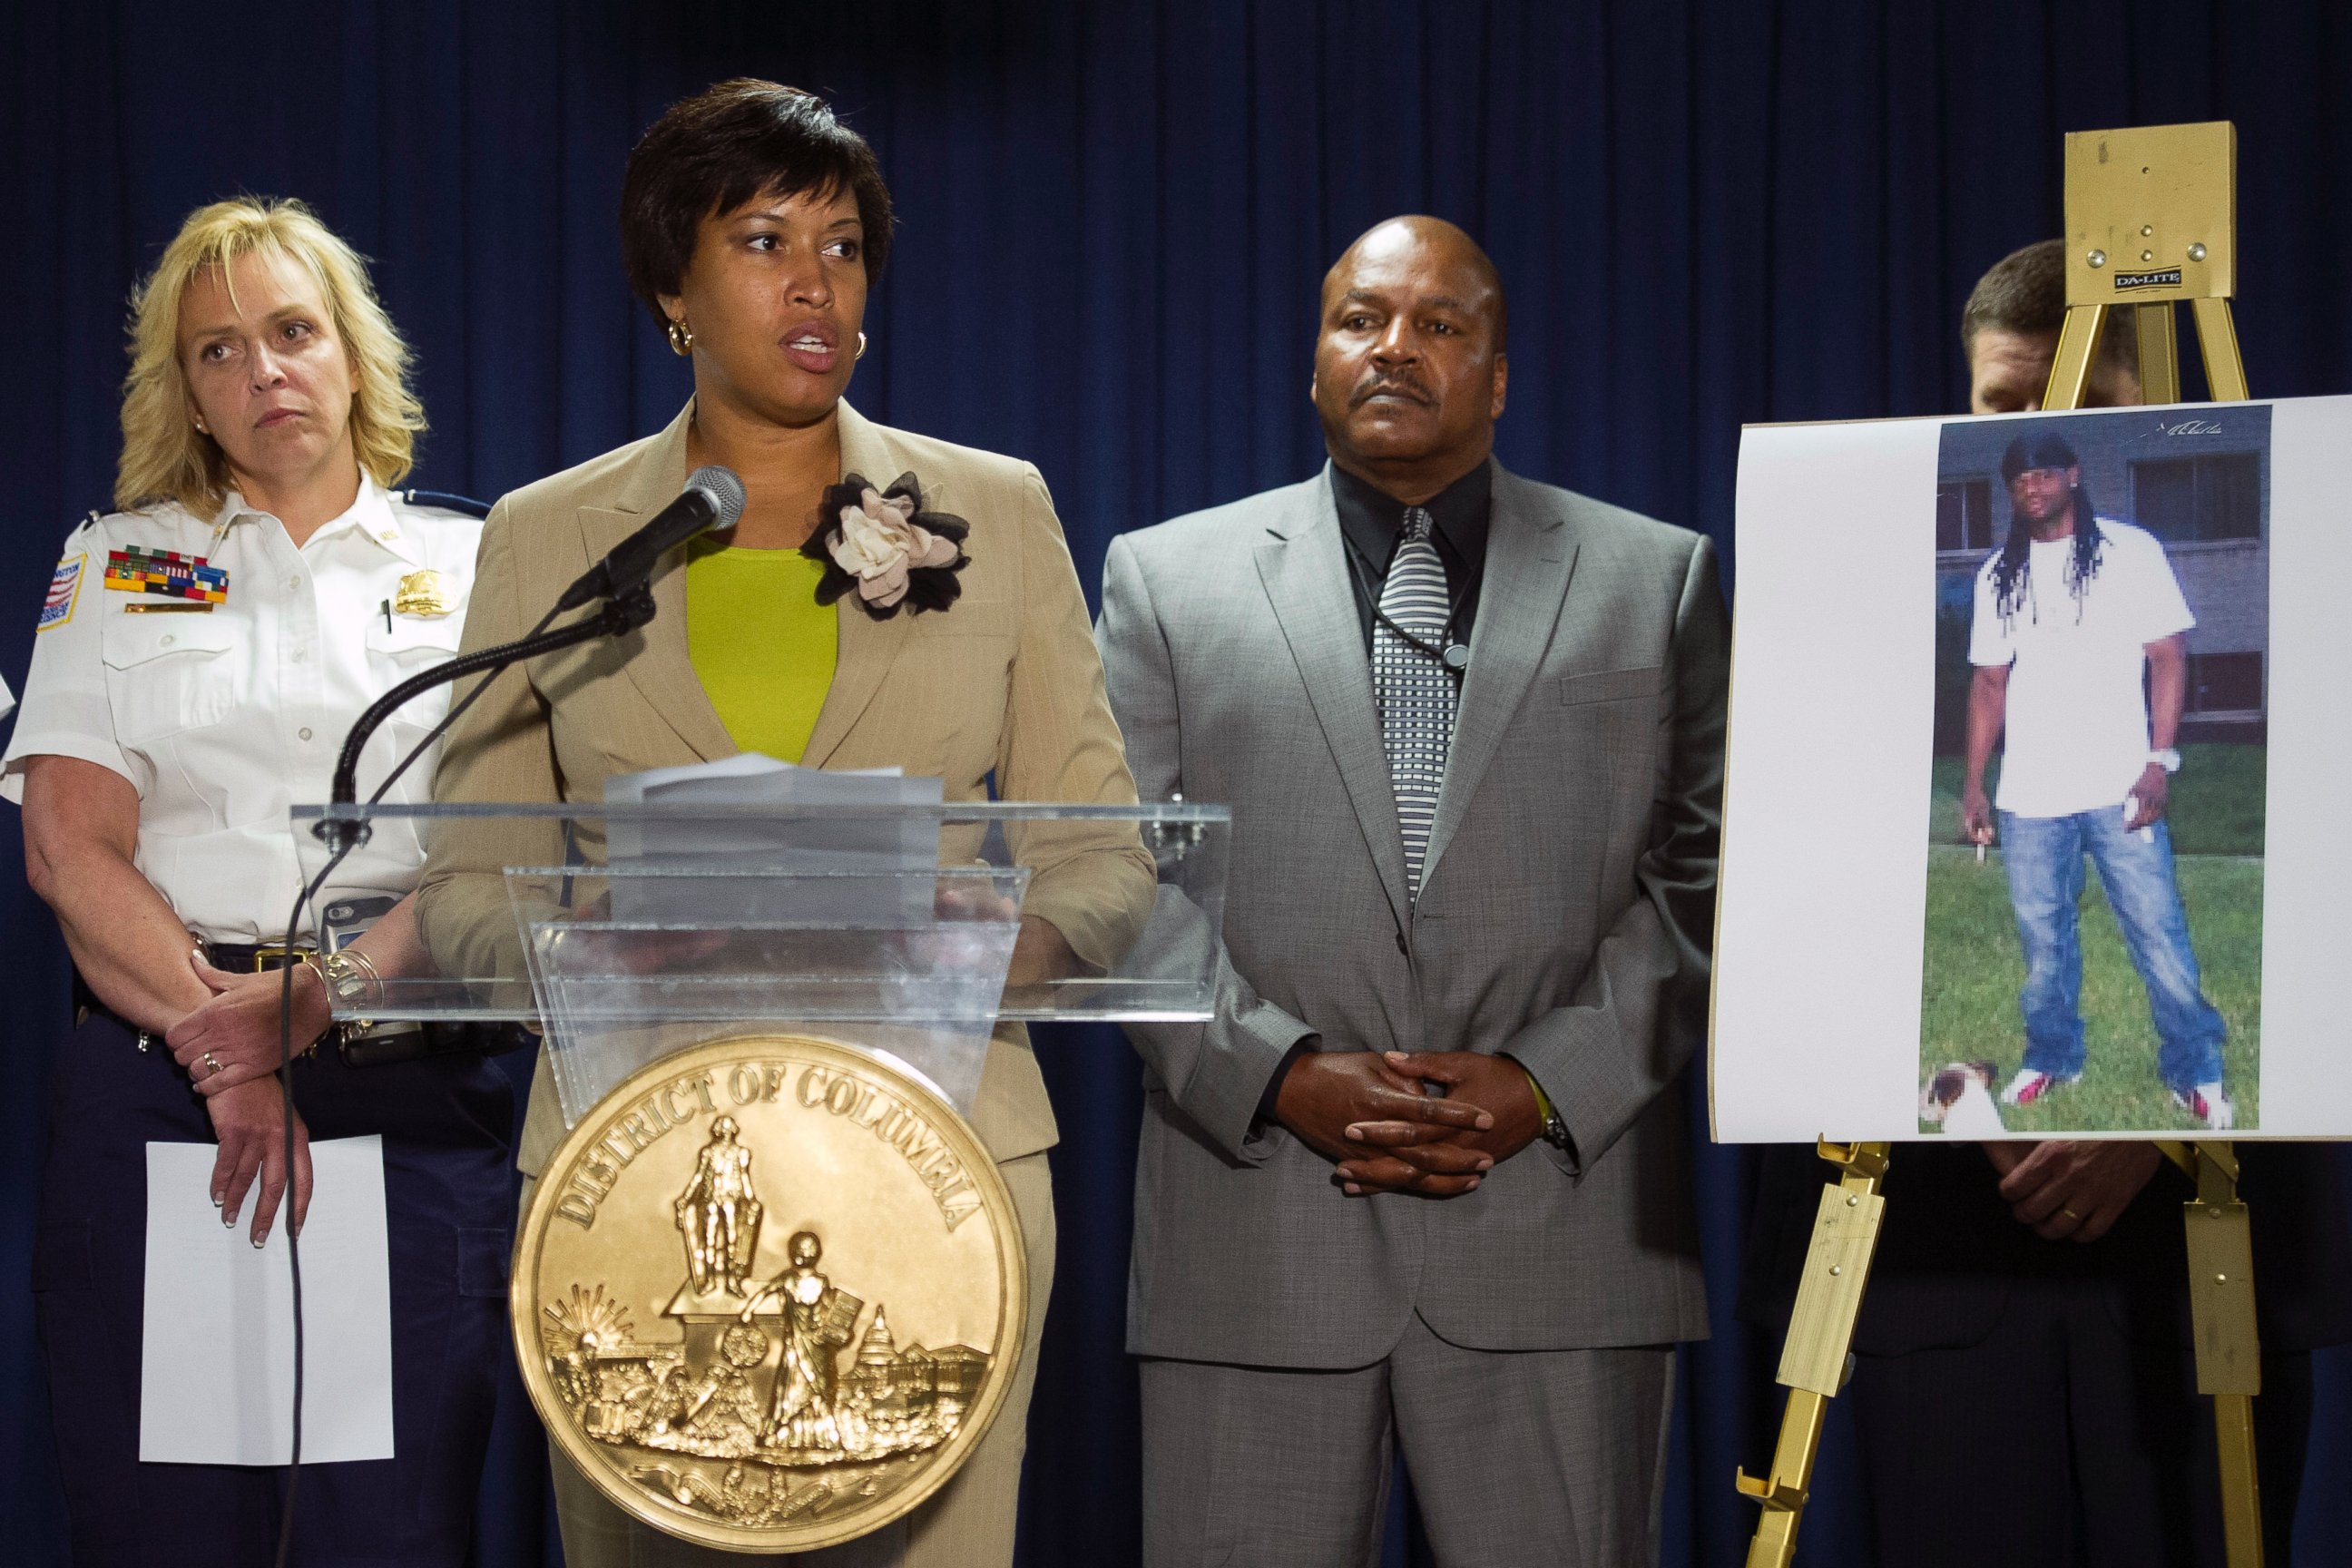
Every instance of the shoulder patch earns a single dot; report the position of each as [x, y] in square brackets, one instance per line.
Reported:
[64, 587]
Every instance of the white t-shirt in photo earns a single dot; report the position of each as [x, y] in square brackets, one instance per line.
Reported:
[2077, 734]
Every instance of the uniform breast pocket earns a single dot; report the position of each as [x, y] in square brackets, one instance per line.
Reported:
[167, 673]
[409, 645]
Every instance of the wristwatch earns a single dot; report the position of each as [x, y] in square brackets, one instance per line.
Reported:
[2167, 759]
[1554, 1130]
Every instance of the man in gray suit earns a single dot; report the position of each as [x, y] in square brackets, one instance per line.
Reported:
[1420, 1181]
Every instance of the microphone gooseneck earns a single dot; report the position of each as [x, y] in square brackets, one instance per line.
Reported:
[623, 615]
[713, 498]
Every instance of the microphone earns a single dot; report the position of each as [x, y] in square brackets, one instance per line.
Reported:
[713, 498]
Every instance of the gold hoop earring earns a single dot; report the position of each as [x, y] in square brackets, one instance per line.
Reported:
[681, 341]
[861, 348]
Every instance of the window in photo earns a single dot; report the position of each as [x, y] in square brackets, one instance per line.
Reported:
[1964, 515]
[2225, 683]
[2214, 496]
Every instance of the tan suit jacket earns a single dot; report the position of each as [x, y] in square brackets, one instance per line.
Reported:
[1004, 681]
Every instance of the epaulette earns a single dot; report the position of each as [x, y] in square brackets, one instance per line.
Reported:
[447, 502]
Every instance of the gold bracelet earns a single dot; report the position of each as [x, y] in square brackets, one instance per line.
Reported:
[309, 960]
[351, 977]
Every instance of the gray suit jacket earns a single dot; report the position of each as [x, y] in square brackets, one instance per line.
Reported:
[1566, 905]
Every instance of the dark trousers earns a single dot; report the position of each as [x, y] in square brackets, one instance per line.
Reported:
[446, 1123]
[2058, 1441]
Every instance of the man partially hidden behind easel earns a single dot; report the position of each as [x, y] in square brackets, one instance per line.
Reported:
[2028, 1303]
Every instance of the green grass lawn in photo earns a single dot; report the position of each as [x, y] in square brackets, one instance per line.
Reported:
[2216, 806]
[1974, 967]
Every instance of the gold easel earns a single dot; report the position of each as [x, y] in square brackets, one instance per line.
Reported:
[1815, 1362]
[2151, 220]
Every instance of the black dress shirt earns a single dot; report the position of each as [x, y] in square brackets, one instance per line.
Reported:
[1369, 521]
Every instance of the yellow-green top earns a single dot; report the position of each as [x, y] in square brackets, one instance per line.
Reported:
[763, 646]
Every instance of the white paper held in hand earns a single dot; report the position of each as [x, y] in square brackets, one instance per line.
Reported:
[217, 1363]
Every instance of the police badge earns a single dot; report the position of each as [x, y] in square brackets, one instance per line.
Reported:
[425, 594]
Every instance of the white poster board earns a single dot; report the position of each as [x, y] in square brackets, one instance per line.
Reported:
[1865, 952]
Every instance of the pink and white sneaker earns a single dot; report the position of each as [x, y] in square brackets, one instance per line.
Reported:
[2031, 1083]
[2209, 1103]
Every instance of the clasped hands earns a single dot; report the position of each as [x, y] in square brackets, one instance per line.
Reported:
[236, 1029]
[1366, 1112]
[2072, 1190]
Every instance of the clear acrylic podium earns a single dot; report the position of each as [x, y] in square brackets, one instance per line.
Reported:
[622, 933]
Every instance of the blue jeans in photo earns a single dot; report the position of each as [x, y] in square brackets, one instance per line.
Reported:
[2044, 859]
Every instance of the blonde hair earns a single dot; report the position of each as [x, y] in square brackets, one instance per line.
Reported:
[164, 458]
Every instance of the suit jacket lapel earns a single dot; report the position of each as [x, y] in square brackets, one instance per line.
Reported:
[867, 648]
[660, 664]
[1305, 568]
[1530, 561]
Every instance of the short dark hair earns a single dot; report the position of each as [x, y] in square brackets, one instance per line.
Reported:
[734, 140]
[2025, 292]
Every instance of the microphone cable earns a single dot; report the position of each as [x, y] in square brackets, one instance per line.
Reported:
[624, 608]
[285, 1216]
[285, 1081]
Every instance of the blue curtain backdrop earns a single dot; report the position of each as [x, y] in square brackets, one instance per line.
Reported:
[1115, 217]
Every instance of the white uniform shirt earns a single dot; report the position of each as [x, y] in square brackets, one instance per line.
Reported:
[2077, 737]
[224, 721]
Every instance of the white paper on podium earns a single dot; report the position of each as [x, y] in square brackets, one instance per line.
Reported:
[217, 1364]
[854, 865]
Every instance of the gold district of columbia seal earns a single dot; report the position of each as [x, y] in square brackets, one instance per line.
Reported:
[769, 1293]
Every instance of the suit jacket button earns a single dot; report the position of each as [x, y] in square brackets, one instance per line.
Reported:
[1401, 946]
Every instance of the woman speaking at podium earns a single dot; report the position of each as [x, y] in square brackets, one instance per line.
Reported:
[198, 658]
[752, 225]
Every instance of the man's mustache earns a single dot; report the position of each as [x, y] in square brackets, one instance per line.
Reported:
[1371, 386]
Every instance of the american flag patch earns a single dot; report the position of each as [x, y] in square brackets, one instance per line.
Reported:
[65, 583]
[166, 572]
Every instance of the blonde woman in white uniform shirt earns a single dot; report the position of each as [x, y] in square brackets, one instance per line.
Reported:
[198, 661]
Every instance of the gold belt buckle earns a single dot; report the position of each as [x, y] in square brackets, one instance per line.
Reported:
[266, 953]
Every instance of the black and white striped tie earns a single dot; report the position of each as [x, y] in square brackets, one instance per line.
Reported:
[1415, 692]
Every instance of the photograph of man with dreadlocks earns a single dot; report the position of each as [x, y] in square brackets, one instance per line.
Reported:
[2094, 932]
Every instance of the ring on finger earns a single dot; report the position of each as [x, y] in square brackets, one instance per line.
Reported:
[212, 1064]
[2070, 1213]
